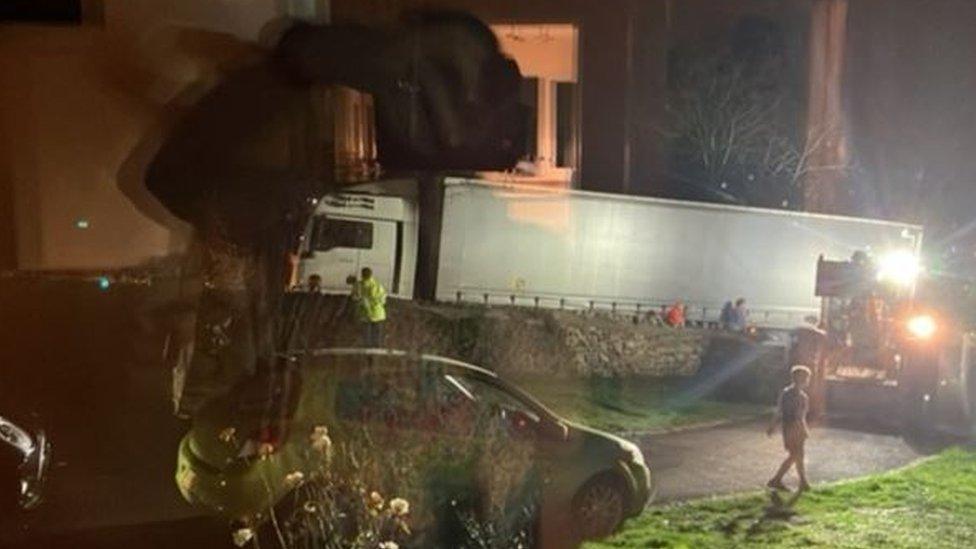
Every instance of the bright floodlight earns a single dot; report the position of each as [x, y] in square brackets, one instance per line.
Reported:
[898, 266]
[922, 326]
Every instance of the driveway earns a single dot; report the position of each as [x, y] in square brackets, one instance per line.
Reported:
[736, 458]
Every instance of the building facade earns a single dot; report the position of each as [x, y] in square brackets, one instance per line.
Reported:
[86, 103]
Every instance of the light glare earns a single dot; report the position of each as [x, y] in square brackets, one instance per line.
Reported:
[899, 267]
[922, 326]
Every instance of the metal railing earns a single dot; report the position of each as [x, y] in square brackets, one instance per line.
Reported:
[705, 315]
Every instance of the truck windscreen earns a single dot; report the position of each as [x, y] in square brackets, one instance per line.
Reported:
[341, 233]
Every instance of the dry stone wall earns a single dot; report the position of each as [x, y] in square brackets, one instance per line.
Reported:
[527, 341]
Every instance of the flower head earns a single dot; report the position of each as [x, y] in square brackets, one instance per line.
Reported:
[319, 439]
[375, 500]
[227, 435]
[399, 507]
[294, 478]
[242, 536]
[265, 449]
[389, 545]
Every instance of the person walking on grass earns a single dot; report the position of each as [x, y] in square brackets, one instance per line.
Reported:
[791, 414]
[371, 298]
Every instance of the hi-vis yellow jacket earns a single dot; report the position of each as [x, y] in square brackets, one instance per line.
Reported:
[372, 300]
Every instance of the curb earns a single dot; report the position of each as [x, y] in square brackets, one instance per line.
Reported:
[690, 427]
[762, 491]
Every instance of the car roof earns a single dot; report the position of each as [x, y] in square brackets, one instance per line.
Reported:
[356, 351]
[461, 365]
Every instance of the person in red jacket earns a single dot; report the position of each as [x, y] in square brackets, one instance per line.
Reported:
[675, 315]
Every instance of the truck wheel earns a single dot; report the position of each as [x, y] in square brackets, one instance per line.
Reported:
[598, 508]
[917, 408]
[913, 414]
[918, 383]
[970, 396]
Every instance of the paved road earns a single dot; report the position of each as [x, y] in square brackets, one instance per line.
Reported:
[735, 458]
[689, 464]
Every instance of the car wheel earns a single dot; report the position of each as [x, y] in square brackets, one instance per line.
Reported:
[598, 508]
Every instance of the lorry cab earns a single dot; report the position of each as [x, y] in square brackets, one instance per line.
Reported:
[349, 231]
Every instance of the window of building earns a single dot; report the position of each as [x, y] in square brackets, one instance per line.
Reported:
[547, 55]
[61, 12]
[567, 124]
[530, 98]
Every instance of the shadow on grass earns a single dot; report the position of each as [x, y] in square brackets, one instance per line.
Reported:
[778, 511]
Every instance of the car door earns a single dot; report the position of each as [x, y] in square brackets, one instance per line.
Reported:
[430, 465]
[507, 472]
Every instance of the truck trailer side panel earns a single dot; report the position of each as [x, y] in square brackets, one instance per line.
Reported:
[534, 245]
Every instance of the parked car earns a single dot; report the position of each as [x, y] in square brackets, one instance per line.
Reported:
[33, 453]
[235, 462]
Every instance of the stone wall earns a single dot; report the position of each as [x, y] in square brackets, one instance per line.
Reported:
[526, 341]
[738, 369]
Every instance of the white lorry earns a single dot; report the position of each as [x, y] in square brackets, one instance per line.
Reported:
[500, 243]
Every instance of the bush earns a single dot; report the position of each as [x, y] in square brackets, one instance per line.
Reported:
[357, 493]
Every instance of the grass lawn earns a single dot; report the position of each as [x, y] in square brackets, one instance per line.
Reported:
[632, 405]
[932, 504]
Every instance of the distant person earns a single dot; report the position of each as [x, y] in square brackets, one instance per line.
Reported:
[370, 295]
[740, 316]
[653, 318]
[675, 315]
[314, 285]
[351, 304]
[791, 414]
[353, 284]
[725, 318]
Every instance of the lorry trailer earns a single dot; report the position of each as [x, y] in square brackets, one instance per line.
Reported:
[515, 244]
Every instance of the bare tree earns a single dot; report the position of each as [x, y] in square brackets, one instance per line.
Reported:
[732, 131]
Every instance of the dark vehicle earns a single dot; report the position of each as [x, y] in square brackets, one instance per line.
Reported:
[885, 351]
[233, 463]
[34, 454]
